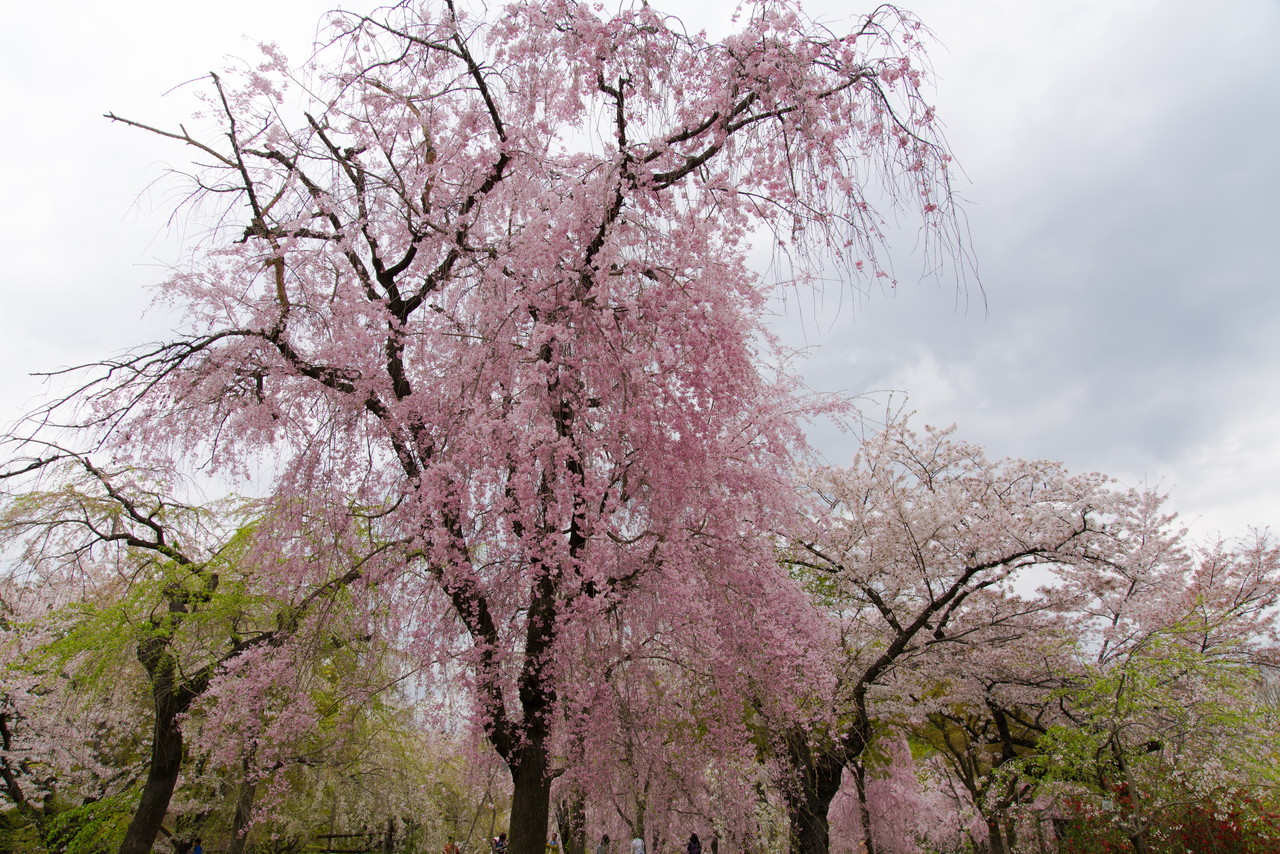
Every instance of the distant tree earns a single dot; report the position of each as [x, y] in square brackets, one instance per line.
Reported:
[1130, 692]
[991, 708]
[487, 279]
[1163, 710]
[902, 548]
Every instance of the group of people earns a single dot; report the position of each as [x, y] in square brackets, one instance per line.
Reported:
[498, 845]
[693, 846]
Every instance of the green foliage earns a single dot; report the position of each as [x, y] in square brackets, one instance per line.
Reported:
[1158, 741]
[18, 835]
[1165, 707]
[97, 827]
[824, 588]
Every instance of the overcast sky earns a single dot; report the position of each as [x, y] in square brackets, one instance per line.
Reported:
[1122, 172]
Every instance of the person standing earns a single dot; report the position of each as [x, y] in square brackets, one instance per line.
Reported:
[637, 846]
[694, 846]
[603, 847]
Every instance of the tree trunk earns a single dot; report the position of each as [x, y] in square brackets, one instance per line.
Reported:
[810, 828]
[530, 797]
[525, 746]
[1010, 833]
[571, 816]
[10, 773]
[995, 837]
[864, 812]
[856, 740]
[1136, 830]
[641, 813]
[244, 808]
[818, 773]
[162, 777]
[171, 696]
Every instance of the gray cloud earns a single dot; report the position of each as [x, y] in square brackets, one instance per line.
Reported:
[1122, 205]
[1122, 174]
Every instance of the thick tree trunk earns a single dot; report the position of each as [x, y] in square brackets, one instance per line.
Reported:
[171, 696]
[11, 773]
[530, 798]
[810, 828]
[525, 746]
[162, 777]
[818, 774]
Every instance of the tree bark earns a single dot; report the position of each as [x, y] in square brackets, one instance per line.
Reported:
[162, 775]
[171, 697]
[995, 837]
[244, 808]
[1139, 843]
[530, 797]
[810, 828]
[571, 816]
[1010, 825]
[1136, 830]
[527, 752]
[864, 812]
[818, 771]
[10, 773]
[856, 741]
